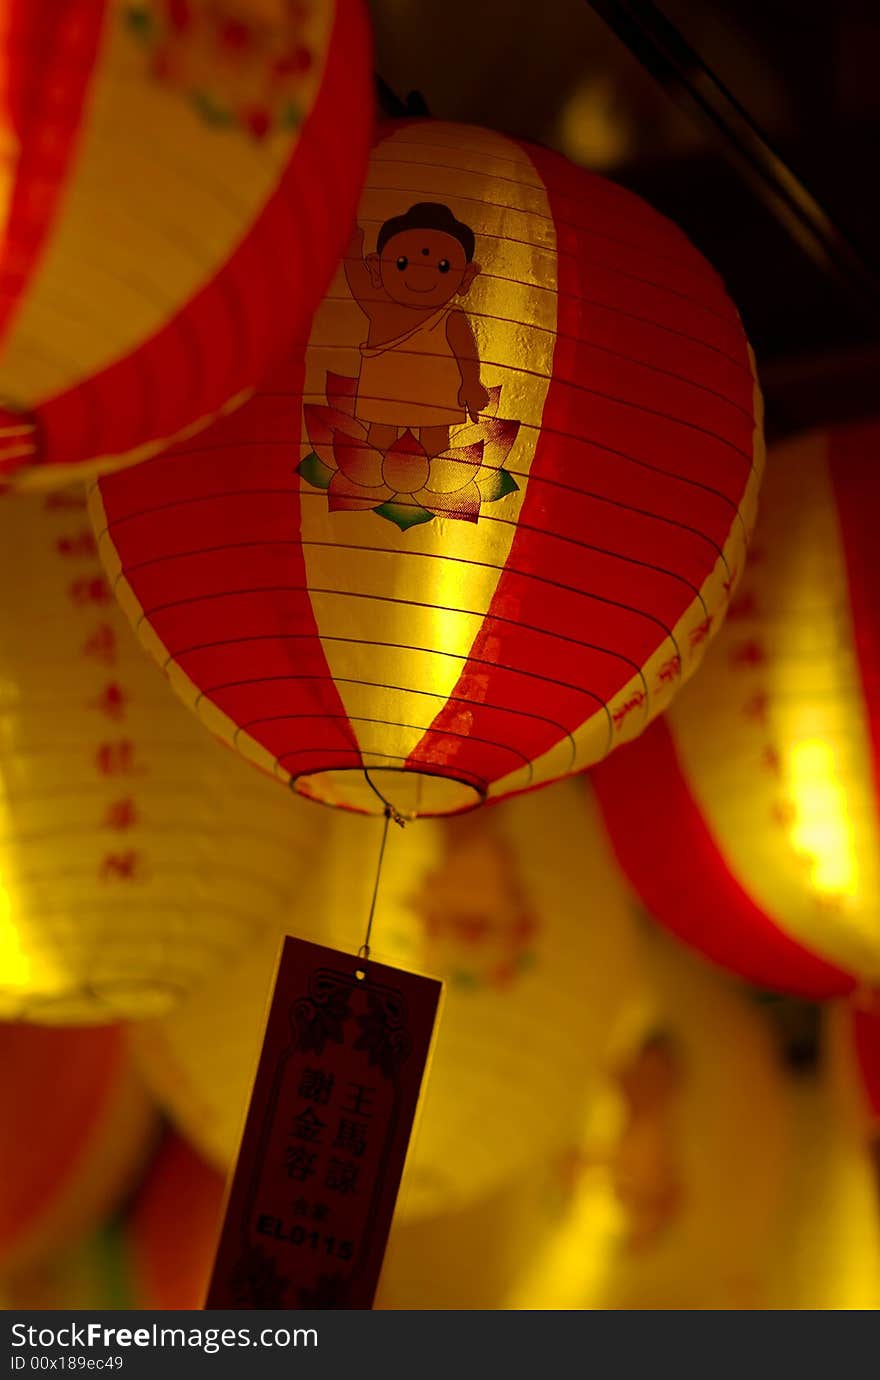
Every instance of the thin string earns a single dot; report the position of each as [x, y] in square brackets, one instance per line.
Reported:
[389, 813]
[390, 810]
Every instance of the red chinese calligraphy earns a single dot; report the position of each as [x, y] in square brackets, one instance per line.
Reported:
[751, 653]
[111, 702]
[121, 814]
[699, 634]
[117, 759]
[634, 702]
[78, 545]
[101, 645]
[669, 671]
[771, 760]
[125, 867]
[90, 589]
[744, 606]
[758, 707]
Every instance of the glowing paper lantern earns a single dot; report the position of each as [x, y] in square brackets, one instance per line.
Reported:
[169, 210]
[468, 545]
[75, 1133]
[748, 818]
[680, 1199]
[533, 987]
[761, 784]
[472, 1257]
[134, 855]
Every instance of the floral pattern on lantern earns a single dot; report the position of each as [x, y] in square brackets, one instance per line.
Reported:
[170, 220]
[404, 484]
[239, 62]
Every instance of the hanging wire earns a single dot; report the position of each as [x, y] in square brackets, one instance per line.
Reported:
[391, 811]
[364, 950]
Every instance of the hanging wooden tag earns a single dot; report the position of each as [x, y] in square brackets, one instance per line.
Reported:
[327, 1130]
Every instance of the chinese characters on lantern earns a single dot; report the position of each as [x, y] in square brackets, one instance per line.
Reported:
[114, 754]
[750, 660]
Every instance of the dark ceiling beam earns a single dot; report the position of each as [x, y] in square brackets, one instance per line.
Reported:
[680, 70]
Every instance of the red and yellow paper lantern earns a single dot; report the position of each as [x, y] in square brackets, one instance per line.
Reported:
[176, 184]
[749, 818]
[468, 546]
[76, 1130]
[135, 855]
[520, 910]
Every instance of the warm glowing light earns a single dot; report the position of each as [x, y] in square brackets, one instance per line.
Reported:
[14, 962]
[593, 128]
[822, 829]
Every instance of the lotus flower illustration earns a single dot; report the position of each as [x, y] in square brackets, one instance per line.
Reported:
[403, 484]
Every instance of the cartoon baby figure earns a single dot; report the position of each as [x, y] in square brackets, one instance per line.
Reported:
[420, 369]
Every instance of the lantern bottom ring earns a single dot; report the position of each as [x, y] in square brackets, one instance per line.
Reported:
[413, 793]
[92, 1003]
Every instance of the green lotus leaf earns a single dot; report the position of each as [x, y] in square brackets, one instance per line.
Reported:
[496, 484]
[209, 110]
[402, 515]
[314, 471]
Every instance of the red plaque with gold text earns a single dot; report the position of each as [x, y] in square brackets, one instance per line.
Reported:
[326, 1136]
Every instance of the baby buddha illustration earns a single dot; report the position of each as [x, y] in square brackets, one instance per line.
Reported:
[419, 364]
[416, 435]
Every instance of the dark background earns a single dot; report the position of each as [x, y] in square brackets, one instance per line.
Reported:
[808, 73]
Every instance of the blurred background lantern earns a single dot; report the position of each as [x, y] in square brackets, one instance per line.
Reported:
[76, 1132]
[135, 855]
[682, 1183]
[170, 212]
[164, 1244]
[827, 1255]
[468, 547]
[473, 1257]
[522, 913]
[158, 1251]
[748, 818]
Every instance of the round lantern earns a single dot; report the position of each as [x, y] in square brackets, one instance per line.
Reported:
[748, 818]
[432, 1263]
[171, 210]
[495, 906]
[75, 1132]
[483, 526]
[681, 1193]
[134, 855]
